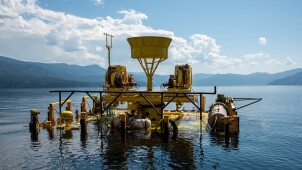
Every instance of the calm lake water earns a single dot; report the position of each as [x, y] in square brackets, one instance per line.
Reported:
[270, 137]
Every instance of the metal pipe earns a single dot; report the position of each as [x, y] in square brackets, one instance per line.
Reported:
[161, 105]
[60, 105]
[200, 109]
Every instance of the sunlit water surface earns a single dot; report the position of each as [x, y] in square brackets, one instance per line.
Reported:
[270, 137]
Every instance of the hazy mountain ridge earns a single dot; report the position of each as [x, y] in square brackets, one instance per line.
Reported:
[295, 79]
[238, 79]
[15, 74]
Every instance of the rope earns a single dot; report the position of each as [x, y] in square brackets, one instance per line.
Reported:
[56, 111]
[75, 106]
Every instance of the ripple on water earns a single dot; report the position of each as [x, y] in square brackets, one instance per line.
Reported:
[268, 138]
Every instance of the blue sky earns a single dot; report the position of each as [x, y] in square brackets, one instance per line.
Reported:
[235, 36]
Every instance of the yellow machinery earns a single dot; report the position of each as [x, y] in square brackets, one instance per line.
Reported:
[51, 110]
[120, 88]
[116, 78]
[222, 116]
[181, 81]
[149, 51]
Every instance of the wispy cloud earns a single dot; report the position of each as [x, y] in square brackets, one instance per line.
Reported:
[257, 55]
[274, 62]
[61, 37]
[287, 61]
[29, 32]
[262, 40]
[98, 2]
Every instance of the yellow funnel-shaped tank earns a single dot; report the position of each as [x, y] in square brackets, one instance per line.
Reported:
[149, 51]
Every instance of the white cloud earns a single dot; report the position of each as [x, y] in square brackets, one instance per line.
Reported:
[201, 49]
[289, 61]
[99, 2]
[253, 63]
[29, 32]
[258, 55]
[262, 40]
[274, 62]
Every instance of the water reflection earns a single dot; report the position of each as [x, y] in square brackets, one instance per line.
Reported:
[84, 136]
[66, 134]
[35, 143]
[140, 149]
[34, 135]
[51, 133]
[149, 149]
[231, 142]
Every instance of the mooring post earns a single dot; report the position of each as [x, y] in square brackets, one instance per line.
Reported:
[101, 105]
[166, 126]
[34, 120]
[123, 125]
[83, 120]
[60, 105]
[161, 105]
[200, 107]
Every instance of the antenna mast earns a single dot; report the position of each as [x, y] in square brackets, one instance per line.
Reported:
[108, 46]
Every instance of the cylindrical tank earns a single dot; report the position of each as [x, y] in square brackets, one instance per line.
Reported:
[216, 113]
[67, 117]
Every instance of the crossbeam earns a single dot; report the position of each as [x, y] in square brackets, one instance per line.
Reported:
[162, 95]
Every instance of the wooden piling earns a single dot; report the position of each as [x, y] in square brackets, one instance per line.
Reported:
[166, 126]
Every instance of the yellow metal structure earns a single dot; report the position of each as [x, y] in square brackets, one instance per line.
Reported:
[149, 51]
[84, 104]
[181, 81]
[230, 122]
[116, 79]
[67, 118]
[51, 110]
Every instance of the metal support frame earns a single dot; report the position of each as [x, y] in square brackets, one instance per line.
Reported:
[151, 104]
[255, 100]
[119, 93]
[200, 105]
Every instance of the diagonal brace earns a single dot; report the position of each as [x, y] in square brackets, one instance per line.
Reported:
[150, 103]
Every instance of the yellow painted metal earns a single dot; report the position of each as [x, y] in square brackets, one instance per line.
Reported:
[84, 101]
[153, 99]
[203, 103]
[149, 51]
[67, 117]
[183, 78]
[234, 124]
[51, 110]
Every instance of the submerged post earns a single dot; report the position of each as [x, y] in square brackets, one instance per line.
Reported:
[123, 125]
[200, 107]
[166, 126]
[83, 120]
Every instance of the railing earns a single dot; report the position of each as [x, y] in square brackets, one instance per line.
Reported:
[173, 95]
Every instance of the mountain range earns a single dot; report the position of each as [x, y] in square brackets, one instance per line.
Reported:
[23, 74]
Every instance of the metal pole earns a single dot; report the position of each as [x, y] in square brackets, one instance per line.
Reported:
[108, 56]
[161, 105]
[60, 105]
[101, 104]
[200, 106]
